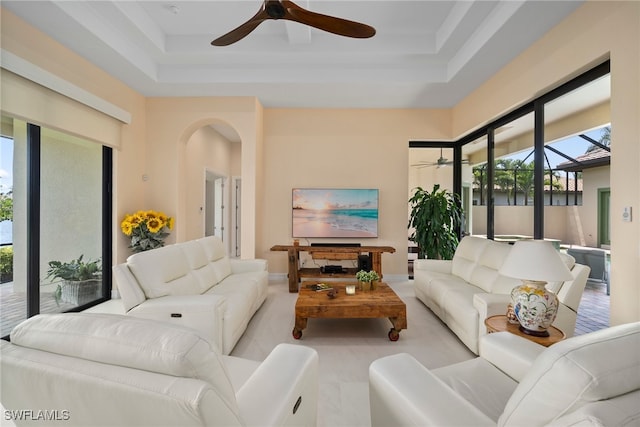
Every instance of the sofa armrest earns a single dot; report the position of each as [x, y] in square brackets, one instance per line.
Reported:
[130, 291]
[487, 305]
[571, 291]
[247, 265]
[201, 312]
[510, 353]
[283, 390]
[437, 265]
[402, 392]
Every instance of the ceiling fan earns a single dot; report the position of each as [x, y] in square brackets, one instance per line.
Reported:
[441, 162]
[286, 9]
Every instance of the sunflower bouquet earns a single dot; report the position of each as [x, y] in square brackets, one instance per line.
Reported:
[147, 229]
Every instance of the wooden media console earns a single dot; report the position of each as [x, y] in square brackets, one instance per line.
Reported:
[334, 253]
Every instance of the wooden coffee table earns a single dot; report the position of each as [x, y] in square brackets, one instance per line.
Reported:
[379, 303]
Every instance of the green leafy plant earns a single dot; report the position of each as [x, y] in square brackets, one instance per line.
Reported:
[6, 264]
[6, 207]
[367, 276]
[76, 270]
[434, 220]
[82, 273]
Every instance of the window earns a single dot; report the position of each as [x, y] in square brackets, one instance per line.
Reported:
[535, 156]
[61, 215]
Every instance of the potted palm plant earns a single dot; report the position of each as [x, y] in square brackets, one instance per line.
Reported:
[79, 281]
[434, 220]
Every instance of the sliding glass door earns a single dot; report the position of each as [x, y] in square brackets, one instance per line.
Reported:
[61, 203]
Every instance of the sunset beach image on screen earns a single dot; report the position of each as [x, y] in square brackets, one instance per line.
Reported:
[349, 212]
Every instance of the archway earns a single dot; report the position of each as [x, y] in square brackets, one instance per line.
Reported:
[210, 169]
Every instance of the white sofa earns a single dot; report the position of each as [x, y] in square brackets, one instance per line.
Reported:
[466, 290]
[82, 369]
[194, 284]
[589, 380]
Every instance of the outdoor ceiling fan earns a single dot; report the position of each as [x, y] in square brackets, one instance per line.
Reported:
[286, 9]
[441, 162]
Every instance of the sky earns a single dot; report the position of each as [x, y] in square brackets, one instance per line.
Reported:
[573, 146]
[6, 164]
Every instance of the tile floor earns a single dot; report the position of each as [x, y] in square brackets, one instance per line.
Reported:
[593, 312]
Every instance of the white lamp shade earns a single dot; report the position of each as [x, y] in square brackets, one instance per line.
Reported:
[535, 260]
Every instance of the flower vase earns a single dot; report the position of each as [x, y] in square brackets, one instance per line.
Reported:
[534, 306]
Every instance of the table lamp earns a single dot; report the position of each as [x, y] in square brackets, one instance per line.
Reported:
[535, 262]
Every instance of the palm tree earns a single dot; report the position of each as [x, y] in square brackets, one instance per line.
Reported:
[504, 176]
[524, 178]
[605, 139]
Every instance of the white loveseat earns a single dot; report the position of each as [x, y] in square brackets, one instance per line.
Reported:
[82, 369]
[194, 284]
[589, 380]
[464, 291]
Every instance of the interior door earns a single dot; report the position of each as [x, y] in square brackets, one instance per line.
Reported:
[214, 203]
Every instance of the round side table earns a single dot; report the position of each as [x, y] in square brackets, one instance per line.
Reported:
[500, 323]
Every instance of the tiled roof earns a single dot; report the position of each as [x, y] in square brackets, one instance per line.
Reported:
[597, 157]
[563, 184]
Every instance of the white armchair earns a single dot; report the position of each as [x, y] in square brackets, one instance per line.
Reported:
[592, 379]
[101, 369]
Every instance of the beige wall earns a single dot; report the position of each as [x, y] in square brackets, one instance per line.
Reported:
[361, 148]
[342, 149]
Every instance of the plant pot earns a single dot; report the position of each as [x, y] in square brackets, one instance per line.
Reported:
[80, 292]
[365, 286]
[374, 285]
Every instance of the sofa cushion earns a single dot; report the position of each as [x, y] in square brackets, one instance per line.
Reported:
[575, 373]
[485, 273]
[213, 246]
[480, 383]
[163, 271]
[440, 288]
[466, 257]
[129, 342]
[222, 268]
[203, 271]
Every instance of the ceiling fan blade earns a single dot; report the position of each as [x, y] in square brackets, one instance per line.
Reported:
[331, 24]
[421, 165]
[243, 30]
[286, 9]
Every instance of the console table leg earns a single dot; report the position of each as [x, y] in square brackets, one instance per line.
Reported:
[376, 262]
[293, 270]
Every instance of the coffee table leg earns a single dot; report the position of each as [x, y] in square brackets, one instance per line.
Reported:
[301, 323]
[394, 334]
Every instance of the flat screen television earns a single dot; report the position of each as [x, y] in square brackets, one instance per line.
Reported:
[335, 212]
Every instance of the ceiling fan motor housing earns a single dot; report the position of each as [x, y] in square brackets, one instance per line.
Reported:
[274, 9]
